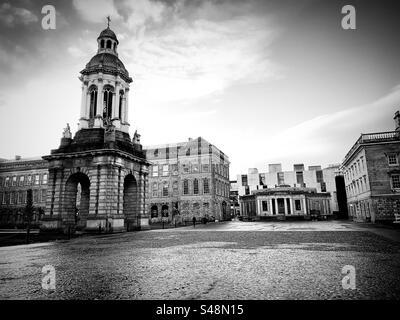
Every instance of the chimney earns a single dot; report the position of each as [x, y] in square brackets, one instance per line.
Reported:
[397, 120]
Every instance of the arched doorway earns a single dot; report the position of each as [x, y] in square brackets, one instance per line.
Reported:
[130, 206]
[76, 201]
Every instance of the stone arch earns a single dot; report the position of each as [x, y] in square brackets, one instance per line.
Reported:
[76, 200]
[130, 202]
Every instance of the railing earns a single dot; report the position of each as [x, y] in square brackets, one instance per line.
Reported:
[373, 138]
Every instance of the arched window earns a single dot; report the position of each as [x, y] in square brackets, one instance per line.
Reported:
[108, 44]
[93, 101]
[185, 187]
[107, 102]
[121, 99]
[195, 186]
[115, 46]
[102, 44]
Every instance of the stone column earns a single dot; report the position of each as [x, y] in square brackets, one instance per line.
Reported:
[115, 116]
[291, 205]
[304, 206]
[270, 206]
[126, 106]
[259, 207]
[98, 122]
[83, 121]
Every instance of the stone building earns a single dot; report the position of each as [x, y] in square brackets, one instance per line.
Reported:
[188, 179]
[283, 203]
[324, 180]
[97, 179]
[16, 177]
[372, 176]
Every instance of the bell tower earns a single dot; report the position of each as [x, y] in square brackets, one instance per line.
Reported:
[105, 87]
[98, 179]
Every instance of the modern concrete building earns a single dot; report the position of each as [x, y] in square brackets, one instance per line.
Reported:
[323, 180]
[372, 176]
[283, 203]
[188, 179]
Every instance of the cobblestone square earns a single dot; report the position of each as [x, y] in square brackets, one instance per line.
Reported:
[230, 260]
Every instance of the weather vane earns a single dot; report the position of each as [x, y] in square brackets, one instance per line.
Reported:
[108, 21]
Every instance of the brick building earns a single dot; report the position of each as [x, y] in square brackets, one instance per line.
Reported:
[283, 203]
[188, 179]
[322, 180]
[16, 177]
[372, 175]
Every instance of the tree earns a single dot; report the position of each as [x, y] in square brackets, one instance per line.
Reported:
[28, 212]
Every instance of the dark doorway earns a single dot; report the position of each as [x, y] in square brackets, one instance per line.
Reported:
[341, 197]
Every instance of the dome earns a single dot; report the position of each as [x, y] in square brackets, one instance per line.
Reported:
[107, 63]
[109, 34]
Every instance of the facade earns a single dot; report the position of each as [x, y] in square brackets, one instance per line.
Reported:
[283, 203]
[16, 177]
[372, 176]
[188, 179]
[323, 180]
[234, 198]
[96, 180]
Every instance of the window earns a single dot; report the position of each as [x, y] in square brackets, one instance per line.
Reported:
[392, 159]
[299, 177]
[155, 171]
[206, 168]
[206, 205]
[174, 169]
[195, 168]
[108, 44]
[175, 188]
[196, 206]
[244, 180]
[323, 187]
[165, 170]
[188, 151]
[44, 181]
[155, 153]
[185, 168]
[93, 101]
[196, 186]
[165, 189]
[297, 205]
[7, 182]
[37, 179]
[36, 196]
[155, 189]
[396, 181]
[206, 186]
[281, 178]
[21, 180]
[185, 187]
[319, 176]
[14, 181]
[11, 197]
[43, 195]
[121, 100]
[107, 102]
[2, 198]
[264, 205]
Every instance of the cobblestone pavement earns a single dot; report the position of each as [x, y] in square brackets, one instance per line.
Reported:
[246, 261]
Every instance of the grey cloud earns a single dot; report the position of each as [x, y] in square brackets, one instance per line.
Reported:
[11, 16]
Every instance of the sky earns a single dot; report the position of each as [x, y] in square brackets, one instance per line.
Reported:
[264, 81]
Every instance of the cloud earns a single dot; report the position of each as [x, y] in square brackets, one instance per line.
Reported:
[11, 16]
[334, 133]
[96, 10]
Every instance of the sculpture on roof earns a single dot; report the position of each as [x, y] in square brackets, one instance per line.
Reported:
[67, 132]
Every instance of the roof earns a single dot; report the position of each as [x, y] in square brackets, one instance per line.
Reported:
[371, 139]
[108, 63]
[108, 33]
